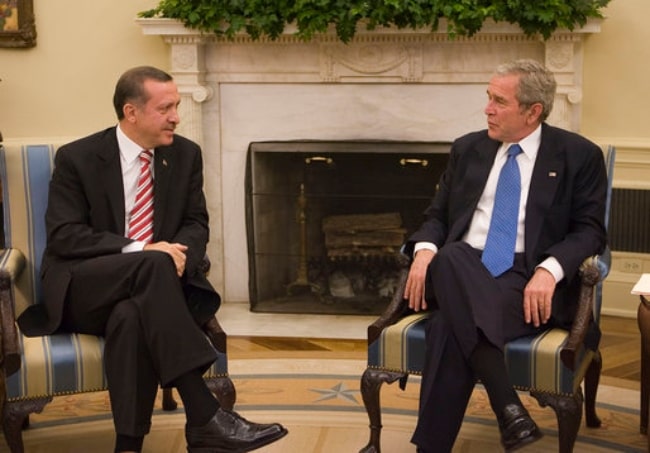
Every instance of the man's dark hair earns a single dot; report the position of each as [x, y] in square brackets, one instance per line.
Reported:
[130, 87]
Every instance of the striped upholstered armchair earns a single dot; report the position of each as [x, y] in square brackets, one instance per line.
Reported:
[34, 370]
[552, 366]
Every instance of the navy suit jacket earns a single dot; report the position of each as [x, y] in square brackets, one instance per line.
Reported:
[565, 210]
[85, 218]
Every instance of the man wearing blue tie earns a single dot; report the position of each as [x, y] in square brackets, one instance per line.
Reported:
[520, 206]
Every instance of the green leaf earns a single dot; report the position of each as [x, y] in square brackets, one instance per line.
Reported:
[264, 18]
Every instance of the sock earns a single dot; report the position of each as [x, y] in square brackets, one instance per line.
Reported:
[489, 365]
[128, 443]
[200, 405]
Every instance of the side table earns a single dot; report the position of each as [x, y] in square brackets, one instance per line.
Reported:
[643, 319]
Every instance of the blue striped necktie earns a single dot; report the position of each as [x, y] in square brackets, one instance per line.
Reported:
[499, 252]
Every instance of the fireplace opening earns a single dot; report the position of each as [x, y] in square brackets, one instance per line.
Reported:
[325, 221]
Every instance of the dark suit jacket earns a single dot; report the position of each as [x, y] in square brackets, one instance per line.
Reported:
[86, 218]
[565, 210]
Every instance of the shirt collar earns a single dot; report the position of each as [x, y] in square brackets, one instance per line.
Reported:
[529, 144]
[129, 150]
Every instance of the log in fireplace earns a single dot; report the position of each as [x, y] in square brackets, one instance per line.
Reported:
[325, 220]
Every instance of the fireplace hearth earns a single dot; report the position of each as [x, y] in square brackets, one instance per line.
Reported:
[326, 220]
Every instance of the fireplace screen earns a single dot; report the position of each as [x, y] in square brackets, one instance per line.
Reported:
[326, 220]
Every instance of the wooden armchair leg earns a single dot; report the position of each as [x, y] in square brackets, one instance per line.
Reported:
[14, 417]
[645, 390]
[168, 401]
[568, 410]
[222, 387]
[643, 318]
[224, 390]
[592, 378]
[371, 382]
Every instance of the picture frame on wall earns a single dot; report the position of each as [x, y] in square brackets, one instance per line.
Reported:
[17, 25]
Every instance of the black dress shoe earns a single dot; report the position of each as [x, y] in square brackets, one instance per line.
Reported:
[517, 428]
[228, 432]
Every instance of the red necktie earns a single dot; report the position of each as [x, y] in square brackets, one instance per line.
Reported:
[141, 222]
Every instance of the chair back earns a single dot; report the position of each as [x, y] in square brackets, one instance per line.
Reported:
[25, 172]
[61, 363]
[605, 260]
[610, 159]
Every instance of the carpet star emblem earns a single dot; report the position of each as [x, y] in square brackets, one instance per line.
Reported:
[339, 391]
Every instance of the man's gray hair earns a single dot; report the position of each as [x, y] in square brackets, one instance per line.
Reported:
[536, 84]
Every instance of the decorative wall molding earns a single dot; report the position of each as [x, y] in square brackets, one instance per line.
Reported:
[386, 55]
[393, 60]
[632, 161]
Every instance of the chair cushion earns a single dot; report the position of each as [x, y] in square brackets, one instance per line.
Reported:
[57, 365]
[25, 172]
[400, 347]
[68, 363]
[533, 362]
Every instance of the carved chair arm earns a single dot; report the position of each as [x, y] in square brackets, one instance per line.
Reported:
[590, 276]
[216, 334]
[212, 328]
[397, 306]
[205, 265]
[11, 265]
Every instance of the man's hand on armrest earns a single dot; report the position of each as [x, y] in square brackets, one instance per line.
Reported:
[414, 289]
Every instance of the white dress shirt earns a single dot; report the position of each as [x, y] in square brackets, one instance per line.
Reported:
[476, 235]
[130, 163]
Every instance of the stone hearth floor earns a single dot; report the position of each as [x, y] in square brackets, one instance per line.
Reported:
[237, 320]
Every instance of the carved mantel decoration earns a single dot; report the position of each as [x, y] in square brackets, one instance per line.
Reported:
[387, 56]
[386, 85]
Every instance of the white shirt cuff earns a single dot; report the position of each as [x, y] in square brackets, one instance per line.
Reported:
[553, 266]
[424, 245]
[135, 246]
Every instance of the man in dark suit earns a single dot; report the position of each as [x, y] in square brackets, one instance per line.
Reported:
[139, 286]
[557, 222]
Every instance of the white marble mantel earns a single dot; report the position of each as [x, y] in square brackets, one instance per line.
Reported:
[386, 84]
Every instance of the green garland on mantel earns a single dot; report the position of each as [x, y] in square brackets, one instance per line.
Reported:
[268, 18]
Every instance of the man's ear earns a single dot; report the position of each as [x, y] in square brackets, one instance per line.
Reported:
[129, 112]
[534, 113]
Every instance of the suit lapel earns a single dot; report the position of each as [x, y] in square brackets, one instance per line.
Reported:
[110, 174]
[480, 166]
[548, 171]
[479, 162]
[163, 164]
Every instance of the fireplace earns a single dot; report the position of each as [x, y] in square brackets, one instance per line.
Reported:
[325, 221]
[386, 85]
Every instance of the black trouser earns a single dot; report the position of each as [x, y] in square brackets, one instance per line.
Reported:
[466, 301]
[136, 301]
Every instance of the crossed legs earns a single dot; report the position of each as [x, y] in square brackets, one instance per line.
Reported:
[136, 302]
[475, 314]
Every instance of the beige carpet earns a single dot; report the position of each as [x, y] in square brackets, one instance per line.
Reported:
[320, 403]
